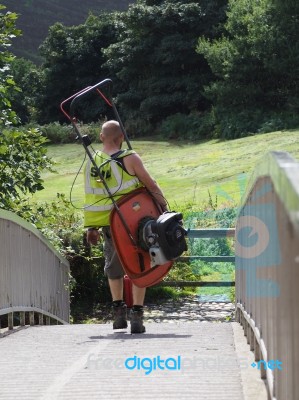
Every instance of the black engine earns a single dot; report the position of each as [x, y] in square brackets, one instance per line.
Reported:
[164, 238]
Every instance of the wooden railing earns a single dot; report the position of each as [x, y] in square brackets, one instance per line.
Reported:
[267, 272]
[34, 278]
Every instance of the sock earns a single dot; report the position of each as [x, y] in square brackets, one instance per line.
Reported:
[117, 303]
[137, 308]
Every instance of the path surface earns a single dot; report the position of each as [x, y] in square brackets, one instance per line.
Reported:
[187, 309]
[91, 361]
[190, 309]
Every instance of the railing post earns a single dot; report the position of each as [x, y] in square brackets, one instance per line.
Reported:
[10, 321]
[22, 318]
[31, 318]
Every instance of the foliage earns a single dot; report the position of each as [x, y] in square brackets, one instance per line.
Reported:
[62, 225]
[28, 77]
[23, 158]
[57, 133]
[158, 294]
[92, 130]
[197, 67]
[148, 51]
[22, 154]
[159, 73]
[256, 64]
[212, 217]
[206, 216]
[7, 84]
[185, 127]
[74, 60]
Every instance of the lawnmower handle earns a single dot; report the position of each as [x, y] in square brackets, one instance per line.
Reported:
[88, 90]
[106, 82]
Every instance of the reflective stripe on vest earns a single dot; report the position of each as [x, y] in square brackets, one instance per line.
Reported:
[98, 208]
[121, 185]
[98, 203]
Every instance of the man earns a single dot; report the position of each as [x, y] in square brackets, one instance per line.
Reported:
[123, 172]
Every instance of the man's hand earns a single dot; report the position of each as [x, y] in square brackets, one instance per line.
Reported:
[92, 236]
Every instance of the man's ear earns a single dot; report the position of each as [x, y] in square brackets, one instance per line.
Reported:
[101, 136]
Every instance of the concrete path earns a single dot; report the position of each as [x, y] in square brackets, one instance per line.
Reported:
[201, 361]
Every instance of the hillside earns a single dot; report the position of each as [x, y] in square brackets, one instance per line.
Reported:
[36, 16]
[188, 172]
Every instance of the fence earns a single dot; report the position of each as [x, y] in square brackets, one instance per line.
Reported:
[34, 278]
[267, 271]
[204, 234]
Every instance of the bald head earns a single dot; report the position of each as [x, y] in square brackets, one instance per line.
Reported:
[111, 132]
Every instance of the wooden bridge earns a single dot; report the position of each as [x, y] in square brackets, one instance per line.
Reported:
[42, 356]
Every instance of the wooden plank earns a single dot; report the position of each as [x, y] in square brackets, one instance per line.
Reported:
[10, 321]
[195, 283]
[211, 233]
[31, 318]
[22, 318]
[207, 258]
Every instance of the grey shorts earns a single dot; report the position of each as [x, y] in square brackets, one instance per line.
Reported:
[113, 268]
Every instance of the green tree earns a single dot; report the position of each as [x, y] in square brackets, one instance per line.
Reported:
[283, 61]
[22, 159]
[74, 60]
[28, 77]
[22, 154]
[256, 67]
[7, 84]
[148, 51]
[159, 73]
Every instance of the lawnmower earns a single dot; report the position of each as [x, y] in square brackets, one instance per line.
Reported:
[147, 240]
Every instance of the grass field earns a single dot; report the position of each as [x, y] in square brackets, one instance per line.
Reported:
[187, 172]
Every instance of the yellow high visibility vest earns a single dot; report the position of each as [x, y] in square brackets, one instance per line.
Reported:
[98, 204]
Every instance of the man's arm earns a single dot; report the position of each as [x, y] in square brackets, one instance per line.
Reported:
[134, 166]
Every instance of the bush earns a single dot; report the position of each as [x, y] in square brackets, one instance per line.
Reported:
[191, 127]
[158, 294]
[138, 127]
[22, 160]
[62, 225]
[58, 133]
[92, 130]
[233, 124]
[278, 121]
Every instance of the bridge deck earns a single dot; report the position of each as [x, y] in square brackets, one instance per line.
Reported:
[88, 362]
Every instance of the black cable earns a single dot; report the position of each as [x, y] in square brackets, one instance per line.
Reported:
[98, 201]
[114, 194]
[74, 181]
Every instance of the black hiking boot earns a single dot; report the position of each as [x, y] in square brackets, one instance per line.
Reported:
[136, 319]
[120, 316]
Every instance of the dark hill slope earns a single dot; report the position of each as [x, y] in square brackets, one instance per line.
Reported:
[35, 17]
